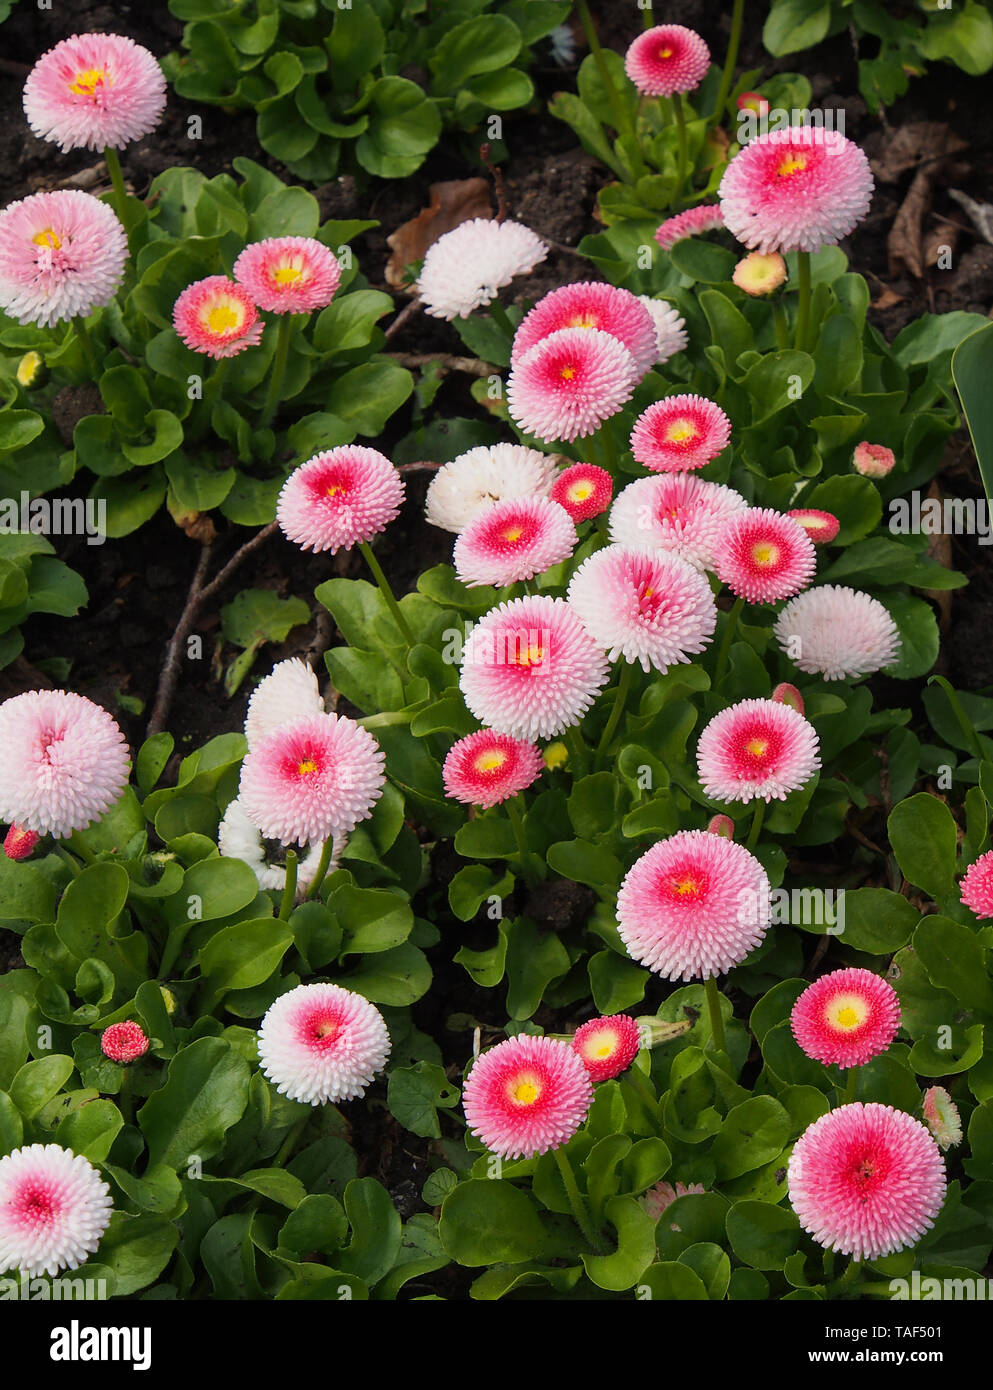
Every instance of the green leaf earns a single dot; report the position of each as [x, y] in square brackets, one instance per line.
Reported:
[585, 863]
[414, 1095]
[376, 1230]
[396, 977]
[205, 1093]
[485, 44]
[39, 1082]
[487, 1222]
[853, 500]
[924, 838]
[972, 370]
[371, 919]
[136, 1249]
[635, 1246]
[243, 955]
[349, 322]
[795, 24]
[704, 262]
[355, 46]
[964, 37]
[672, 1281]
[955, 960]
[403, 125]
[753, 1133]
[91, 1130]
[366, 396]
[534, 959]
[877, 920]
[762, 1235]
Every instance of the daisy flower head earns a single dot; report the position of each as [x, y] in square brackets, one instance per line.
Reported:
[705, 217]
[941, 1115]
[795, 190]
[311, 779]
[976, 887]
[786, 694]
[124, 1042]
[530, 668]
[320, 1044]
[764, 556]
[240, 838]
[607, 1046]
[592, 305]
[217, 317]
[693, 906]
[54, 1209]
[680, 433]
[756, 748]
[760, 273]
[339, 498]
[837, 632]
[486, 768]
[567, 384]
[288, 692]
[92, 91]
[677, 512]
[666, 59]
[866, 1180]
[18, 843]
[584, 490]
[514, 540]
[873, 460]
[288, 274]
[644, 606]
[754, 102]
[526, 1096]
[464, 269]
[821, 527]
[663, 1194]
[64, 763]
[721, 825]
[670, 328]
[846, 1018]
[62, 255]
[480, 477]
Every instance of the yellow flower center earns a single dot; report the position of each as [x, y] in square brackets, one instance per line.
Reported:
[307, 767]
[580, 491]
[681, 430]
[586, 320]
[665, 52]
[327, 1029]
[792, 164]
[846, 1012]
[49, 237]
[222, 318]
[513, 533]
[490, 761]
[757, 747]
[765, 553]
[526, 1092]
[685, 886]
[88, 82]
[532, 657]
[567, 373]
[287, 274]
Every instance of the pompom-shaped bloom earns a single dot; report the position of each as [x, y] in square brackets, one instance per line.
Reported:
[339, 498]
[764, 556]
[754, 102]
[705, 217]
[92, 91]
[977, 886]
[62, 255]
[569, 383]
[607, 1046]
[320, 1044]
[680, 433]
[240, 838]
[464, 269]
[663, 1194]
[821, 527]
[846, 1018]
[676, 512]
[667, 58]
[514, 540]
[64, 762]
[288, 274]
[644, 606]
[721, 825]
[759, 273]
[311, 779]
[18, 842]
[486, 768]
[530, 668]
[591, 304]
[54, 1208]
[873, 460]
[584, 490]
[756, 748]
[287, 693]
[217, 317]
[837, 632]
[795, 190]
[480, 477]
[124, 1042]
[866, 1180]
[526, 1096]
[941, 1115]
[693, 906]
[786, 694]
[670, 328]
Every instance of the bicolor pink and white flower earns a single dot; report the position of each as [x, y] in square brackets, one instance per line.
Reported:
[240, 838]
[705, 217]
[584, 490]
[670, 328]
[288, 692]
[976, 888]
[786, 694]
[873, 460]
[289, 274]
[760, 272]
[217, 317]
[62, 255]
[124, 1042]
[821, 527]
[464, 269]
[721, 825]
[486, 768]
[680, 433]
[19, 843]
[480, 477]
[320, 1044]
[677, 512]
[837, 632]
[339, 498]
[846, 1018]
[54, 1209]
[591, 304]
[607, 1046]
[765, 556]
[94, 91]
[514, 540]
[567, 384]
[941, 1115]
[667, 58]
[526, 1096]
[756, 748]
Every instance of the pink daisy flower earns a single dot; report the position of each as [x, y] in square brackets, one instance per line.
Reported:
[54, 1209]
[786, 694]
[977, 886]
[486, 768]
[866, 1180]
[584, 490]
[607, 1046]
[312, 779]
[62, 255]
[18, 842]
[873, 460]
[464, 269]
[320, 1044]
[667, 58]
[821, 527]
[288, 274]
[705, 217]
[670, 328]
[837, 632]
[466, 486]
[759, 273]
[595, 305]
[530, 668]
[217, 317]
[755, 102]
[756, 748]
[339, 498]
[514, 540]
[680, 433]
[93, 91]
[288, 692]
[693, 906]
[765, 556]
[795, 190]
[124, 1042]
[846, 1018]
[663, 1194]
[721, 825]
[941, 1115]
[676, 512]
[648, 607]
[569, 383]
[526, 1096]
[64, 762]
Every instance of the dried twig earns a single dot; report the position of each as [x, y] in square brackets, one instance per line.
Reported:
[240, 555]
[472, 366]
[402, 319]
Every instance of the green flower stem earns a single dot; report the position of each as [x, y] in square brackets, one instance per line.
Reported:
[609, 445]
[757, 817]
[578, 750]
[322, 868]
[173, 946]
[730, 61]
[579, 1208]
[847, 1092]
[63, 853]
[803, 300]
[291, 1141]
[716, 1017]
[86, 343]
[277, 371]
[622, 118]
[781, 326]
[125, 1097]
[117, 180]
[620, 700]
[725, 647]
[647, 18]
[501, 318]
[964, 722]
[387, 592]
[289, 888]
[679, 116]
[634, 1081]
[530, 866]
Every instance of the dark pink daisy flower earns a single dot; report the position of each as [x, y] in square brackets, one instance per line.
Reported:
[786, 694]
[821, 527]
[486, 768]
[124, 1042]
[339, 498]
[873, 460]
[756, 748]
[755, 102]
[92, 91]
[846, 1018]
[680, 433]
[569, 383]
[584, 490]
[721, 825]
[667, 58]
[288, 274]
[607, 1046]
[18, 842]
[765, 556]
[513, 540]
[705, 217]
[526, 1096]
[320, 1044]
[977, 886]
[591, 304]
[217, 317]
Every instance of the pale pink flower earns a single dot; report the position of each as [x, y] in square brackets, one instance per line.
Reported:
[756, 748]
[464, 269]
[873, 460]
[667, 58]
[62, 255]
[569, 383]
[764, 556]
[320, 1044]
[480, 477]
[288, 274]
[591, 304]
[514, 540]
[677, 512]
[339, 498]
[760, 272]
[54, 1209]
[92, 91]
[705, 217]
[837, 632]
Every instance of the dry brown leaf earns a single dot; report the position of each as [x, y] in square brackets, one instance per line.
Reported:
[198, 526]
[903, 244]
[940, 241]
[451, 203]
[911, 145]
[887, 299]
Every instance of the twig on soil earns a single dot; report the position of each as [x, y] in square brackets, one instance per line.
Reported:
[402, 319]
[240, 555]
[472, 366]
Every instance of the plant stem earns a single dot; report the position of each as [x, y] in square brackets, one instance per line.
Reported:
[848, 1090]
[517, 825]
[289, 888]
[578, 750]
[622, 118]
[63, 853]
[757, 818]
[725, 647]
[716, 1017]
[680, 118]
[647, 18]
[501, 318]
[634, 1080]
[322, 867]
[620, 700]
[730, 61]
[125, 1097]
[579, 1208]
[782, 327]
[387, 592]
[278, 370]
[803, 300]
[86, 343]
[117, 180]
[290, 1142]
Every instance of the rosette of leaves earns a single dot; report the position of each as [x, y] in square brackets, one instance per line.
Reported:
[369, 85]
